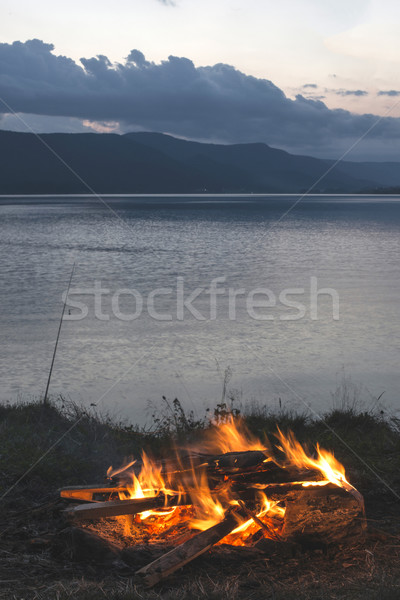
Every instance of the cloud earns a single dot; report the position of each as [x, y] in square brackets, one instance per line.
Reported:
[389, 93]
[309, 85]
[214, 103]
[376, 40]
[351, 92]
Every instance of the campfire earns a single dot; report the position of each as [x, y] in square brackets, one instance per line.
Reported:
[235, 490]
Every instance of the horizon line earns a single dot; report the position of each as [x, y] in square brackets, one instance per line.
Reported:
[200, 195]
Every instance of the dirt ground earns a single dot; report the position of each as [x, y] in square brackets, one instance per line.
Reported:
[43, 556]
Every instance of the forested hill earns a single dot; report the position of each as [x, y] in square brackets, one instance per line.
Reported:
[156, 163]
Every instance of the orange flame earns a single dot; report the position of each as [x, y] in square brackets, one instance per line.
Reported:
[247, 528]
[209, 506]
[147, 484]
[231, 436]
[331, 469]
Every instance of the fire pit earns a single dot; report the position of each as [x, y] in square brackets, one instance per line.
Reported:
[233, 490]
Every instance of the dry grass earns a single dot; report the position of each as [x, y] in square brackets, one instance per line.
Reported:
[32, 567]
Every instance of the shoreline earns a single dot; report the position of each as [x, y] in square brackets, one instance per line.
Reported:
[43, 557]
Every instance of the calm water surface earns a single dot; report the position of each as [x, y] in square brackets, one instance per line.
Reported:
[349, 244]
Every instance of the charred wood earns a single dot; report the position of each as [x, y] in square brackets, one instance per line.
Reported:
[115, 508]
[186, 552]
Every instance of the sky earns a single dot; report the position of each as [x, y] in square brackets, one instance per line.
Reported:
[308, 76]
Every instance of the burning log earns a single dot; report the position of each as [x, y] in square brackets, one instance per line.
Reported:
[302, 499]
[315, 517]
[268, 531]
[179, 557]
[251, 465]
[227, 463]
[88, 492]
[115, 508]
[275, 491]
[231, 462]
[242, 480]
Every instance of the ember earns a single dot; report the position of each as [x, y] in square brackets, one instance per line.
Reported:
[233, 490]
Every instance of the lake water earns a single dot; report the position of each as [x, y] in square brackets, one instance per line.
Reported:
[121, 360]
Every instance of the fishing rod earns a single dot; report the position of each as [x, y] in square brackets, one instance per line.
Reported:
[45, 399]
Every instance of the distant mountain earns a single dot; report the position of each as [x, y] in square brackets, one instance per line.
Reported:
[156, 163]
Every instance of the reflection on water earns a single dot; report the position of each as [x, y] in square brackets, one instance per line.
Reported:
[349, 244]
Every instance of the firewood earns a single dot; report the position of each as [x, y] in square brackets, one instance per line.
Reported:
[267, 530]
[274, 491]
[242, 469]
[178, 557]
[87, 492]
[274, 474]
[217, 465]
[234, 461]
[114, 508]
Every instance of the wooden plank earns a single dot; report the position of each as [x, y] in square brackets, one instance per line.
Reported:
[86, 492]
[115, 508]
[276, 491]
[178, 557]
[271, 474]
[267, 530]
[220, 464]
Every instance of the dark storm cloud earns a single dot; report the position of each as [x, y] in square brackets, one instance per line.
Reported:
[351, 92]
[216, 103]
[389, 93]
